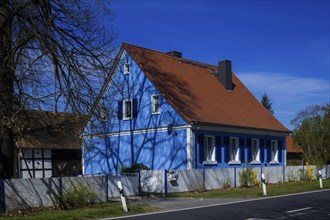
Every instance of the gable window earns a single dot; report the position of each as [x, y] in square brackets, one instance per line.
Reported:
[155, 104]
[209, 150]
[126, 68]
[274, 151]
[255, 145]
[128, 109]
[234, 150]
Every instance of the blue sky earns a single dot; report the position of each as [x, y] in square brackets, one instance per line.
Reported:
[278, 47]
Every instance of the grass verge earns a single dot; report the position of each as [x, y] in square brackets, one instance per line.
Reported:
[102, 211]
[272, 190]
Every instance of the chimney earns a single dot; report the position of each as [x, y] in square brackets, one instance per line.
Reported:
[225, 74]
[175, 54]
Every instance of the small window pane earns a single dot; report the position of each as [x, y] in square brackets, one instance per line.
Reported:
[126, 68]
[155, 104]
[128, 109]
[209, 148]
[234, 153]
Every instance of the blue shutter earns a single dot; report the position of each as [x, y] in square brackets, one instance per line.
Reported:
[279, 151]
[249, 149]
[227, 152]
[135, 108]
[262, 153]
[120, 110]
[201, 148]
[218, 148]
[241, 150]
[269, 150]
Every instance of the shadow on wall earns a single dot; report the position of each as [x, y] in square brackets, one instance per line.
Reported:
[158, 150]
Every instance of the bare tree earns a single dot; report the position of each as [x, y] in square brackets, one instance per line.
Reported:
[54, 55]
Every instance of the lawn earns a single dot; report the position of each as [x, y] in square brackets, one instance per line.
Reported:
[102, 211]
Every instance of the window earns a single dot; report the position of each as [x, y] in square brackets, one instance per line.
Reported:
[209, 150]
[155, 104]
[35, 163]
[234, 150]
[126, 68]
[255, 145]
[103, 112]
[128, 109]
[274, 151]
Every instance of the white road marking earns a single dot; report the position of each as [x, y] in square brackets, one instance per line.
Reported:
[298, 210]
[213, 205]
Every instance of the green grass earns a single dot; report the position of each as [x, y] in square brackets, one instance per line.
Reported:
[102, 211]
[272, 190]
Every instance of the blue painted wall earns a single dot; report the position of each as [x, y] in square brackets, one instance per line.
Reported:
[118, 142]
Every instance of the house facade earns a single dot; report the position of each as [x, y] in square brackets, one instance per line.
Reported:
[168, 112]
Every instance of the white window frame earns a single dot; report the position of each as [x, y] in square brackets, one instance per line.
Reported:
[125, 117]
[127, 68]
[274, 151]
[209, 150]
[154, 104]
[234, 151]
[255, 151]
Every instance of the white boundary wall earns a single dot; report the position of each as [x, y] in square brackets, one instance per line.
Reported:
[32, 193]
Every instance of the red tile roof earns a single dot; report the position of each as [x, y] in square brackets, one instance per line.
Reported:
[197, 94]
[292, 147]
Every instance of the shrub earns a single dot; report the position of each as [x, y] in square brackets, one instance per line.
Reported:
[134, 168]
[226, 185]
[309, 173]
[248, 177]
[79, 196]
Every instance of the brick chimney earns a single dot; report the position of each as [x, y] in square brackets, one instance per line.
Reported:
[225, 74]
[175, 54]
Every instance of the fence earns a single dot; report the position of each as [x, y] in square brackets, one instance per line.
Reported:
[18, 194]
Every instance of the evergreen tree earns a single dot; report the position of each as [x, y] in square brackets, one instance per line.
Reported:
[265, 101]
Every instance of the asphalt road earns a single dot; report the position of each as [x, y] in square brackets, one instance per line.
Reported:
[312, 205]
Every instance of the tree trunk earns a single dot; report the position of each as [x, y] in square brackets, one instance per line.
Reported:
[8, 162]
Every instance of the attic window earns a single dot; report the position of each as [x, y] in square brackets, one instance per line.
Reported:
[155, 104]
[128, 109]
[126, 68]
[103, 112]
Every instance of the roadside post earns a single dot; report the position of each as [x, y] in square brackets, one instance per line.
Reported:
[320, 178]
[263, 180]
[122, 196]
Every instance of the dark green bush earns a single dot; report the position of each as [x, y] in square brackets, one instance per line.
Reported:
[79, 196]
[134, 168]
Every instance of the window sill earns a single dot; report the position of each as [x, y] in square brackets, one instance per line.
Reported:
[210, 162]
[255, 162]
[126, 119]
[234, 162]
[274, 162]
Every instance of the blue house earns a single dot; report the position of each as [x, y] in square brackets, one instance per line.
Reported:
[169, 112]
